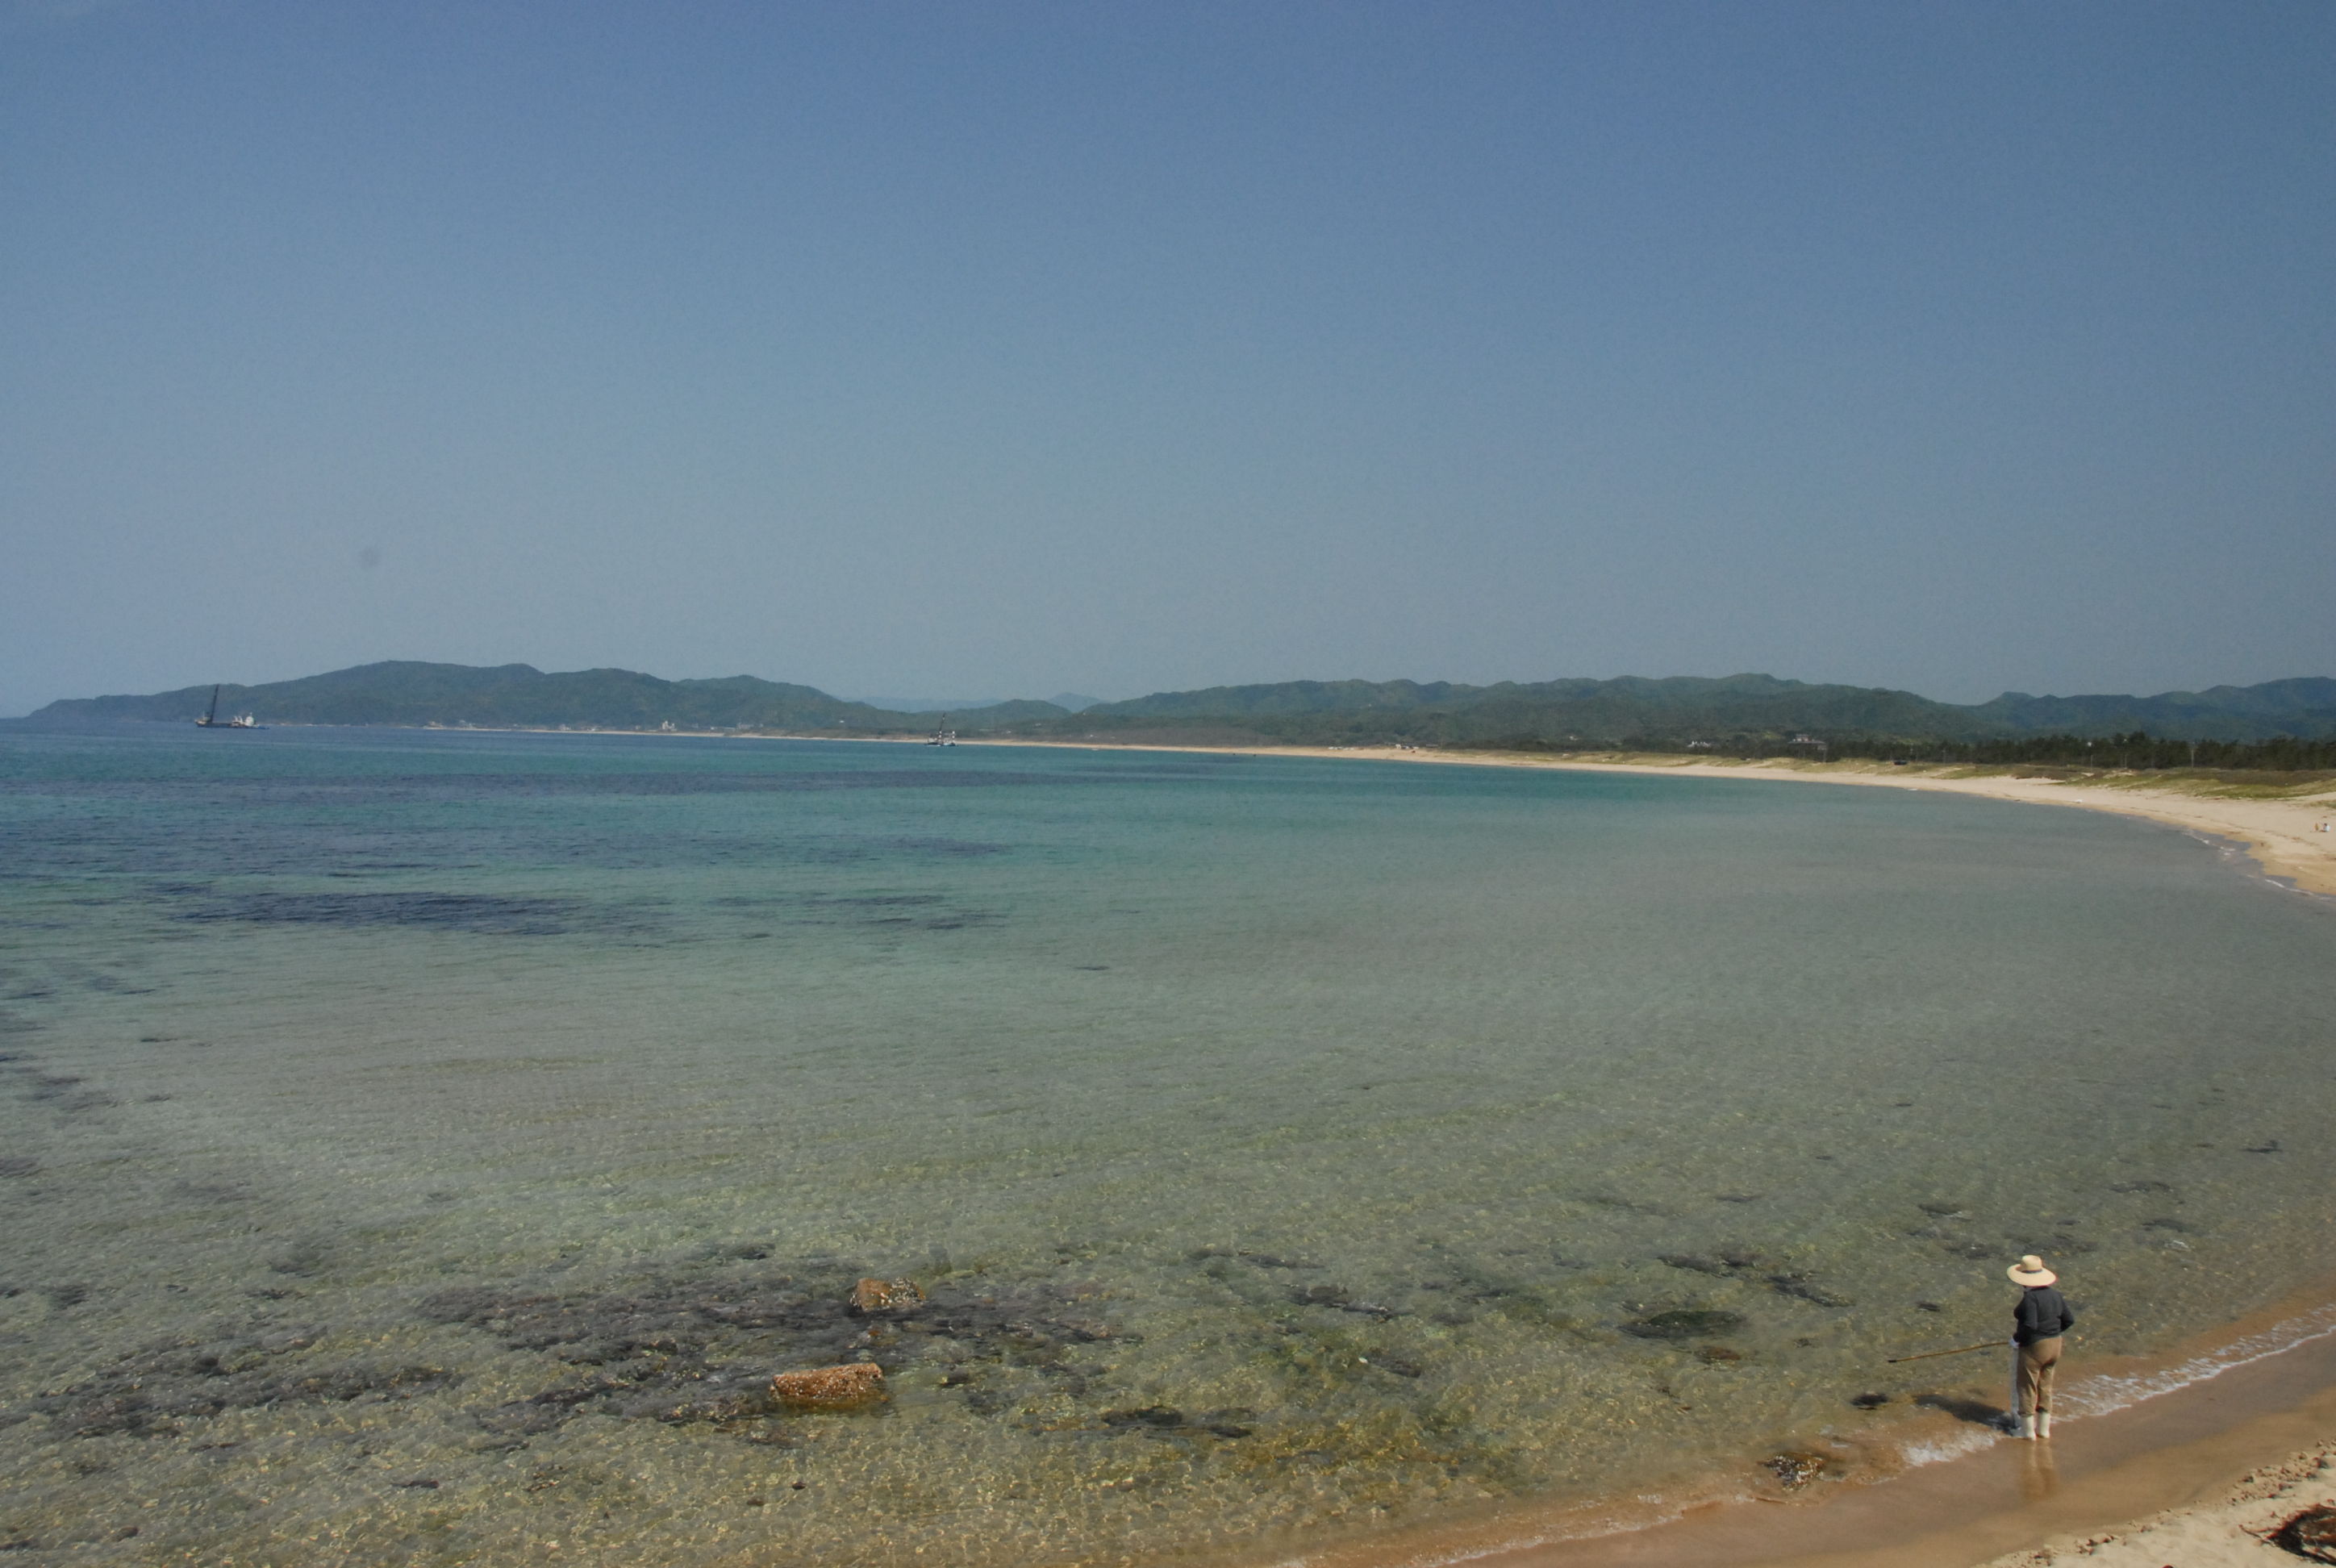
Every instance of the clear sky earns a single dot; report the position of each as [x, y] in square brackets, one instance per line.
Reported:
[1007, 348]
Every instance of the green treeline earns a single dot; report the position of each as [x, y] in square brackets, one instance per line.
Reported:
[2136, 752]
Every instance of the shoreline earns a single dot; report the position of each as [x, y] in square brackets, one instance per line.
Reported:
[2283, 835]
[2291, 837]
[2239, 1447]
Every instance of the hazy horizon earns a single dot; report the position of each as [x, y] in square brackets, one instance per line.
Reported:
[1028, 348]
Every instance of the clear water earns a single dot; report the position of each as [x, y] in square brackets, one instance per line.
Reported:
[422, 1147]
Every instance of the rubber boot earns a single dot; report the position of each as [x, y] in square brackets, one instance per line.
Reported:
[2023, 1426]
[2043, 1423]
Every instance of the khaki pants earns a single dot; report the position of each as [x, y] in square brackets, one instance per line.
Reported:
[2032, 1376]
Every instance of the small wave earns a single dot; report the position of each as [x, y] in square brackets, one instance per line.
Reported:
[2099, 1396]
[2096, 1396]
[1949, 1447]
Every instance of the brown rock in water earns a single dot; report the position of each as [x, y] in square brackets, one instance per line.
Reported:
[883, 1295]
[830, 1388]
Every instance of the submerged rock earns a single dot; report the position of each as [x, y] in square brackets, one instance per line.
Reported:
[153, 1393]
[1338, 1297]
[1684, 1324]
[1165, 1421]
[1261, 1260]
[1803, 1288]
[684, 1346]
[884, 1295]
[1150, 1416]
[1797, 1467]
[830, 1388]
[1728, 1261]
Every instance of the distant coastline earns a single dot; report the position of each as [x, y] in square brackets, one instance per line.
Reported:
[2287, 724]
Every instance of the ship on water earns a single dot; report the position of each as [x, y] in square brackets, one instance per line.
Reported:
[211, 720]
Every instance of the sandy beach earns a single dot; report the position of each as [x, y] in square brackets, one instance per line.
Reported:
[2247, 1524]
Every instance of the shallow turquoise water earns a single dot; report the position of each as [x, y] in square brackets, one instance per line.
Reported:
[416, 1142]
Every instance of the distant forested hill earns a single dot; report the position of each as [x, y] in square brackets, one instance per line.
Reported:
[1733, 711]
[1670, 712]
[2304, 707]
[512, 695]
[1556, 712]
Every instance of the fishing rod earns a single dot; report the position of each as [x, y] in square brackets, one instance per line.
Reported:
[1958, 1350]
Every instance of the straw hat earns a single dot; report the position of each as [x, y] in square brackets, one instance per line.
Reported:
[2030, 1270]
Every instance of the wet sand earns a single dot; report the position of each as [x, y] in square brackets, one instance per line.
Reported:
[2198, 1468]
[2238, 1529]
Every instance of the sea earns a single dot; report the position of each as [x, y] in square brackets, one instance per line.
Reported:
[425, 1147]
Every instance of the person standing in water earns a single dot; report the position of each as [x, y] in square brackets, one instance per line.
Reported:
[2037, 1322]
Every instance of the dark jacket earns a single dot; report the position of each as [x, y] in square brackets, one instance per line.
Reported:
[2040, 1315]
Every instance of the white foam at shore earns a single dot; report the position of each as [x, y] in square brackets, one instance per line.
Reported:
[2097, 1396]
[1952, 1447]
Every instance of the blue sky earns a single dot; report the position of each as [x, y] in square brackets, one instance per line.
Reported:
[1011, 348]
